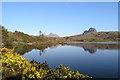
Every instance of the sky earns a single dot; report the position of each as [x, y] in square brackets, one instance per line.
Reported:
[60, 0]
[62, 18]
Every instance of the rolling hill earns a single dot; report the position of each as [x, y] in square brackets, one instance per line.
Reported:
[93, 36]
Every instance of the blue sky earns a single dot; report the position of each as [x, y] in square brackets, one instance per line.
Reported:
[62, 18]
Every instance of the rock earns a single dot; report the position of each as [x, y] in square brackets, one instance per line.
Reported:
[91, 30]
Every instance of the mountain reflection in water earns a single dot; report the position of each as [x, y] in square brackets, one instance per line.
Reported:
[89, 47]
[92, 47]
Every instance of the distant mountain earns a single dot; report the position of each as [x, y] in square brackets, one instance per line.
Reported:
[91, 30]
[91, 35]
[52, 35]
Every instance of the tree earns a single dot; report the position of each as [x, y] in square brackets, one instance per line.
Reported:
[40, 33]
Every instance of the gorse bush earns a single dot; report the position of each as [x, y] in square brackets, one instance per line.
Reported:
[15, 66]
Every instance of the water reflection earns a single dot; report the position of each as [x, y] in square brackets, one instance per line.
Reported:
[93, 47]
[54, 46]
[26, 48]
[90, 50]
[104, 62]
[42, 51]
[88, 47]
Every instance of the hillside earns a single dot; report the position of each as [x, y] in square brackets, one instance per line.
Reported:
[10, 39]
[93, 35]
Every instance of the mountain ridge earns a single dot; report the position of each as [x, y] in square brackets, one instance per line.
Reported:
[53, 35]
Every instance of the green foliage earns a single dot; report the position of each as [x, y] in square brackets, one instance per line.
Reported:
[14, 65]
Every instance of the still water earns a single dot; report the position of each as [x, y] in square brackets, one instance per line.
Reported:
[98, 60]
